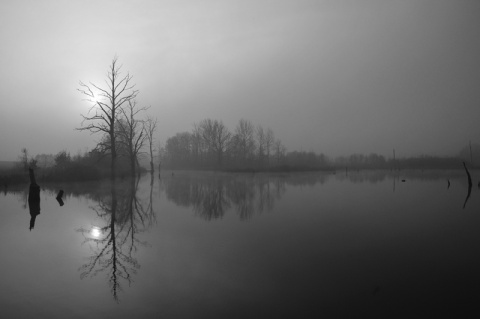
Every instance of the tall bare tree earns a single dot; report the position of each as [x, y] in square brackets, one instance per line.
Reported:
[132, 133]
[150, 128]
[107, 103]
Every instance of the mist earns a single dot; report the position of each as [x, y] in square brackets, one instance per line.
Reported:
[334, 77]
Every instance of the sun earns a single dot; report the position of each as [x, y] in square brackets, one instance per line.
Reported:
[95, 232]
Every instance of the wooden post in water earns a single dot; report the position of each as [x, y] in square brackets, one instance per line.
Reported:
[33, 199]
[59, 198]
[469, 184]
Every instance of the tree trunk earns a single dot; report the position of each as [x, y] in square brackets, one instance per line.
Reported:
[132, 166]
[114, 156]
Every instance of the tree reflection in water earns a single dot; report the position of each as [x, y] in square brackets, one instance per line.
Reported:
[114, 244]
[212, 195]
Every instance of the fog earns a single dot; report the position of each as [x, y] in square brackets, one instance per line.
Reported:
[336, 77]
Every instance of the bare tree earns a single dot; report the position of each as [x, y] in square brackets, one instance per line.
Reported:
[198, 144]
[244, 140]
[261, 136]
[161, 155]
[222, 140]
[216, 136]
[107, 103]
[269, 143]
[150, 128]
[131, 132]
[280, 151]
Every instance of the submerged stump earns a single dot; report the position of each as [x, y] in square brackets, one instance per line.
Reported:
[33, 199]
[59, 198]
[469, 185]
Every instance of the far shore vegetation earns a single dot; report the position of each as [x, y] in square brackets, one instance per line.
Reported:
[127, 137]
[94, 165]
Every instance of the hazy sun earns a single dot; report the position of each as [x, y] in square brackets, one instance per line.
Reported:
[95, 232]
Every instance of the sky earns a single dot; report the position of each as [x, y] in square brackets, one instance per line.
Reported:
[331, 76]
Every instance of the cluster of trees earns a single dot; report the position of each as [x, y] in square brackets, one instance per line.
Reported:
[114, 113]
[124, 135]
[211, 145]
[62, 166]
[301, 160]
[360, 161]
[91, 165]
[375, 161]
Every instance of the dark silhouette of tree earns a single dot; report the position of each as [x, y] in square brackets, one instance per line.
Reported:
[106, 105]
[150, 128]
[132, 133]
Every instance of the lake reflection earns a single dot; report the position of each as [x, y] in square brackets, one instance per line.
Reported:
[217, 245]
[212, 195]
[115, 243]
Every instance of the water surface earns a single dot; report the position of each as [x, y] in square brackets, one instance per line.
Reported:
[215, 245]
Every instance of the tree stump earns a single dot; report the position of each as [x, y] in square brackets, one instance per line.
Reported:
[33, 199]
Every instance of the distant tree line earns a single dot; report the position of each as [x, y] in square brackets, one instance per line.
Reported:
[89, 166]
[375, 161]
[189, 151]
[211, 145]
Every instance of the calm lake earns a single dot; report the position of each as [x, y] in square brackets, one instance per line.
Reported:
[218, 245]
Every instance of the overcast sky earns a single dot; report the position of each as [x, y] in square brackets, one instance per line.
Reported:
[336, 77]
